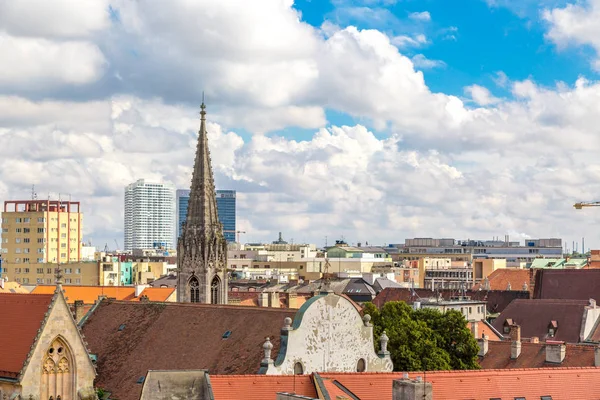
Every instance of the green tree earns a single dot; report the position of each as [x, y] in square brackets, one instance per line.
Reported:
[424, 339]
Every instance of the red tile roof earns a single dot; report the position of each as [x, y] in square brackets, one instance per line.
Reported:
[534, 315]
[500, 278]
[560, 383]
[157, 294]
[533, 355]
[165, 336]
[484, 328]
[21, 315]
[89, 294]
[260, 387]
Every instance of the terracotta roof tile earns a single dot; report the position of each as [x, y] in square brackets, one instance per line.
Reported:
[176, 336]
[560, 383]
[534, 315]
[21, 317]
[533, 355]
[260, 387]
[89, 294]
[500, 278]
[484, 328]
[157, 294]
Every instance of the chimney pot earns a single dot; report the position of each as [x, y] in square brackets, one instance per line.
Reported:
[483, 343]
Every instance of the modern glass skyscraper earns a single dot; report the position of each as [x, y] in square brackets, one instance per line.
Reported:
[225, 209]
[149, 215]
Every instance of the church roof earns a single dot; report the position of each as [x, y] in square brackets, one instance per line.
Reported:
[21, 317]
[130, 338]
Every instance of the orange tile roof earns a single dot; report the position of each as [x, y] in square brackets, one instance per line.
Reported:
[484, 328]
[261, 387]
[500, 278]
[157, 294]
[560, 383]
[89, 294]
[21, 316]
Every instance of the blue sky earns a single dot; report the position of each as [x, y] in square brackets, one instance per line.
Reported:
[475, 40]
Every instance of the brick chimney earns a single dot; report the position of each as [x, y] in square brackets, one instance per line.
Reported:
[144, 298]
[474, 328]
[534, 339]
[556, 352]
[292, 300]
[515, 333]
[515, 349]
[411, 389]
[483, 345]
[79, 313]
[597, 356]
[263, 299]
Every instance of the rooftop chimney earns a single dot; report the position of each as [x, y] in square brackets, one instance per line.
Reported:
[408, 389]
[274, 300]
[515, 333]
[292, 300]
[483, 345]
[597, 356]
[474, 328]
[534, 339]
[263, 299]
[555, 352]
[515, 350]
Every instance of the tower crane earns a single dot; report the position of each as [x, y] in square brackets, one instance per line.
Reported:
[236, 232]
[580, 205]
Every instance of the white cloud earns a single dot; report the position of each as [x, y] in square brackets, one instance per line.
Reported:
[575, 24]
[481, 95]
[33, 63]
[420, 61]
[404, 41]
[420, 16]
[444, 170]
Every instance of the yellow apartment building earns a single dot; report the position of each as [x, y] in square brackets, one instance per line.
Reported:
[75, 273]
[39, 233]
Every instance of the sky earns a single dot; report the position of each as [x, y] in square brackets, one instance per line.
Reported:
[367, 120]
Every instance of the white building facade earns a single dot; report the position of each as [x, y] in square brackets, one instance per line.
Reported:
[150, 218]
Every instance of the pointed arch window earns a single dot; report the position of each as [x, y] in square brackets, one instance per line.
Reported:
[214, 290]
[58, 372]
[194, 290]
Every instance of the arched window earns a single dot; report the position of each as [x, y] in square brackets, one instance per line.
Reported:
[58, 372]
[361, 365]
[214, 290]
[194, 290]
[298, 368]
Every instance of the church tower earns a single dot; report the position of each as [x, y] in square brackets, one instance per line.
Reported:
[202, 249]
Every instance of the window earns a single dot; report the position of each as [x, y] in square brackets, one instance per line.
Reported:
[18, 251]
[40, 280]
[26, 270]
[17, 270]
[40, 260]
[67, 270]
[78, 270]
[18, 240]
[194, 290]
[41, 240]
[48, 270]
[40, 270]
[63, 245]
[25, 280]
[41, 219]
[63, 225]
[26, 250]
[41, 230]
[25, 240]
[26, 260]
[26, 220]
[4, 230]
[298, 368]
[63, 235]
[77, 280]
[40, 251]
[360, 365]
[63, 255]
[18, 220]
[546, 398]
[67, 280]
[26, 230]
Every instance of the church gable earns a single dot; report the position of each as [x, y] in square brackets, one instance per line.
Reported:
[312, 343]
[61, 357]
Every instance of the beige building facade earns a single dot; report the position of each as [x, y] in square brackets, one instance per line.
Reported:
[76, 273]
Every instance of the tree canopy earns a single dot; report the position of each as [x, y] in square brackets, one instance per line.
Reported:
[424, 339]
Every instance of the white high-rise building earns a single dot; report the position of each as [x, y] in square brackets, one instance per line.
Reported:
[149, 215]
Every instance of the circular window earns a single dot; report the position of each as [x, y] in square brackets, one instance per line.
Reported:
[51, 350]
[298, 368]
[361, 365]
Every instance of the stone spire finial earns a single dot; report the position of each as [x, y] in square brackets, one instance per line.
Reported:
[383, 340]
[367, 320]
[326, 284]
[509, 286]
[525, 286]
[287, 324]
[58, 275]
[267, 347]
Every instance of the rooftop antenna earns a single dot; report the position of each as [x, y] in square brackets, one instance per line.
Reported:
[33, 193]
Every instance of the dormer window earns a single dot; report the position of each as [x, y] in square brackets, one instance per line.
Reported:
[507, 324]
[552, 327]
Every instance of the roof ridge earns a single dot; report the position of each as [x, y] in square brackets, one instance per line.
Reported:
[201, 305]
